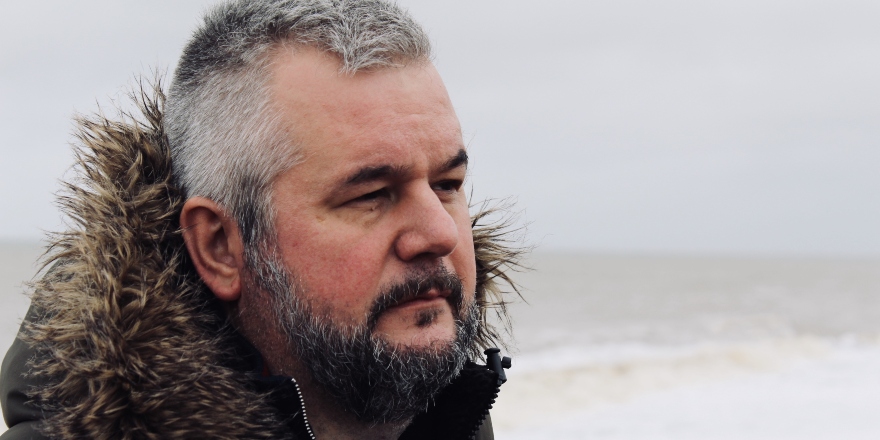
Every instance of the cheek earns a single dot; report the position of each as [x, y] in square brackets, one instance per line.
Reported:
[339, 268]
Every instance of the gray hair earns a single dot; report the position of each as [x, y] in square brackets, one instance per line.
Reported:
[226, 142]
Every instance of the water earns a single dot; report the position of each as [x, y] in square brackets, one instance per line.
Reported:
[626, 347]
[677, 300]
[623, 347]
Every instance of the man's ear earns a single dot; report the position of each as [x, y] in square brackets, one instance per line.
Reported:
[215, 246]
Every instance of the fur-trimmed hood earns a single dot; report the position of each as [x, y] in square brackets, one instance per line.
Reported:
[130, 343]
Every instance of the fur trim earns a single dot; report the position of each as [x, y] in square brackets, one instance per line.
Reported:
[498, 252]
[127, 334]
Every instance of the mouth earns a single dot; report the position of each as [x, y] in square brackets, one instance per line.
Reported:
[430, 297]
[419, 292]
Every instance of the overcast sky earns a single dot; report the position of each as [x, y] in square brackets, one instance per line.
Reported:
[747, 127]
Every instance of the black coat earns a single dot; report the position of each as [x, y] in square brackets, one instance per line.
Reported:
[123, 340]
[461, 410]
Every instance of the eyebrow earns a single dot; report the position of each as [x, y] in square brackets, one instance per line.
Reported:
[460, 159]
[369, 174]
[372, 173]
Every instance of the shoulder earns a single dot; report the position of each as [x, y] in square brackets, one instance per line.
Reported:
[21, 414]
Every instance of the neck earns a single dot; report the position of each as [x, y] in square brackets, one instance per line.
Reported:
[329, 421]
[326, 417]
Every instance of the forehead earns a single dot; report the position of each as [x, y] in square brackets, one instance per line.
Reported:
[375, 113]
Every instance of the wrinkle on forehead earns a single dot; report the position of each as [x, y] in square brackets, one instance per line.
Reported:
[309, 80]
[317, 102]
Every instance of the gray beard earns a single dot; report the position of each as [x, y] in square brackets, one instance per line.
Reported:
[369, 377]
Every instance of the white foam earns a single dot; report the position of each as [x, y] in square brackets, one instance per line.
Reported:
[804, 388]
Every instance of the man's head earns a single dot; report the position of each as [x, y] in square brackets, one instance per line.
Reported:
[225, 135]
[324, 167]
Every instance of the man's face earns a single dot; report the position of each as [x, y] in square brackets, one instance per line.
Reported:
[378, 195]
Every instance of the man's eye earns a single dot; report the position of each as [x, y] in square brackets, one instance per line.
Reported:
[370, 196]
[448, 185]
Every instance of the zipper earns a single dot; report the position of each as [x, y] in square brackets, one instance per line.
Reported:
[493, 362]
[302, 404]
[496, 363]
[482, 418]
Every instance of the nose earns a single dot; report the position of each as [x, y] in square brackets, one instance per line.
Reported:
[428, 229]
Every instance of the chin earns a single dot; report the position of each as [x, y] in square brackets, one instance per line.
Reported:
[437, 335]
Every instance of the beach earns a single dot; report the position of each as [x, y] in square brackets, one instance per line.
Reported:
[666, 347]
[684, 347]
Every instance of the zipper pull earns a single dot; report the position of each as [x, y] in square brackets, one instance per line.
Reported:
[497, 364]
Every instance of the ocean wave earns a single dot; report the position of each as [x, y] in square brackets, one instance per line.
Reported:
[551, 384]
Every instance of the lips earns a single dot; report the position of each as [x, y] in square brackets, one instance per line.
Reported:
[427, 296]
[419, 287]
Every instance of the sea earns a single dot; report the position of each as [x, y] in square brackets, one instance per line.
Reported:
[609, 346]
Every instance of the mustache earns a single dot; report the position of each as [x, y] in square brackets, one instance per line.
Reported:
[414, 285]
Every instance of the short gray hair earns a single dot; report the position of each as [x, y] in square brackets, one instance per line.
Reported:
[226, 142]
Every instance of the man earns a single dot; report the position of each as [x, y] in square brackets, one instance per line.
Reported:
[332, 283]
